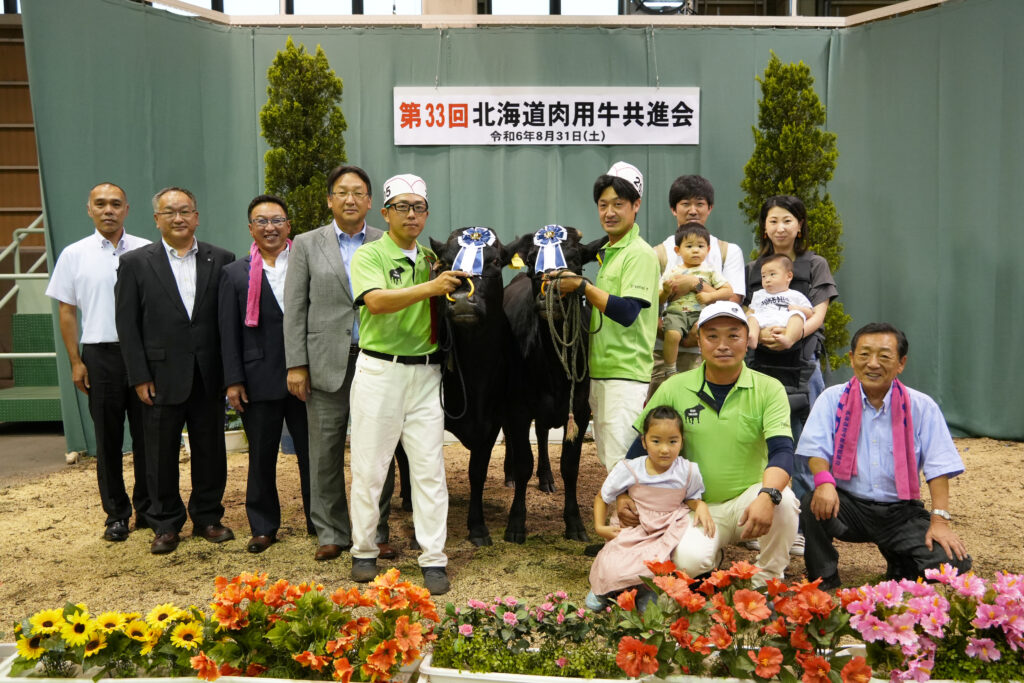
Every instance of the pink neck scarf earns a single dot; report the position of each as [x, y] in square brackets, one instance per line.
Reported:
[848, 414]
[252, 302]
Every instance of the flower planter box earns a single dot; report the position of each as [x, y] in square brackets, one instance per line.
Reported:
[8, 655]
[437, 674]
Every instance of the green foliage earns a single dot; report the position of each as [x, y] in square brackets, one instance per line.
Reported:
[304, 127]
[795, 155]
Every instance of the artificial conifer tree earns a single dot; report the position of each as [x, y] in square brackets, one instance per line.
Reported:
[795, 155]
[303, 125]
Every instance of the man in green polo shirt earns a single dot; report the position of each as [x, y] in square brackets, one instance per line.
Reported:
[395, 391]
[736, 429]
[625, 295]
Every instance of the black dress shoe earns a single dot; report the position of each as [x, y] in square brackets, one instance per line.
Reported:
[257, 544]
[165, 543]
[214, 533]
[116, 531]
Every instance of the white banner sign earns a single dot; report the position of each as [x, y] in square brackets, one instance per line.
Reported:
[547, 116]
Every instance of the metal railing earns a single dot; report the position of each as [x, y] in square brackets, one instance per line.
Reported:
[14, 248]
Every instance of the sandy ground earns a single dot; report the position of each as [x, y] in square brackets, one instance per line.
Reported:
[51, 549]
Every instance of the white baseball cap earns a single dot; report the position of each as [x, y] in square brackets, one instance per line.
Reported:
[406, 183]
[629, 173]
[719, 309]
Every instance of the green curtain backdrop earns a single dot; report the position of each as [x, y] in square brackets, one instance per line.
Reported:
[923, 106]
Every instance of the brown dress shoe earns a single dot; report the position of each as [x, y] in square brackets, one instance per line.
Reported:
[257, 544]
[165, 543]
[214, 533]
[387, 551]
[327, 552]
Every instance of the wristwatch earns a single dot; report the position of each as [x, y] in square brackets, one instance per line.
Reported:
[775, 494]
[942, 513]
[700, 285]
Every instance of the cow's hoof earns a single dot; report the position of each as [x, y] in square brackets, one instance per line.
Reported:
[546, 484]
[577, 535]
[515, 536]
[480, 541]
[510, 483]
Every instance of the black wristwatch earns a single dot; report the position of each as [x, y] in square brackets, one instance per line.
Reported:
[774, 494]
[699, 287]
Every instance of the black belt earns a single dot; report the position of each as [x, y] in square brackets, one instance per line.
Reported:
[353, 350]
[429, 359]
[113, 346]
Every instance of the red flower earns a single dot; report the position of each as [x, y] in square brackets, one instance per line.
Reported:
[743, 570]
[720, 636]
[674, 587]
[776, 628]
[856, 671]
[798, 639]
[751, 605]
[627, 599]
[636, 657]
[794, 610]
[720, 578]
[661, 568]
[226, 669]
[311, 661]
[680, 631]
[701, 645]
[775, 587]
[205, 667]
[342, 670]
[253, 669]
[816, 669]
[768, 661]
[816, 601]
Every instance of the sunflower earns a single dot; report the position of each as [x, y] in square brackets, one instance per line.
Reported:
[161, 615]
[187, 635]
[137, 630]
[47, 621]
[97, 641]
[30, 648]
[77, 628]
[151, 642]
[108, 622]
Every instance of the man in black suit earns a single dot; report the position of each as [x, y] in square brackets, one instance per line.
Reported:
[252, 346]
[166, 314]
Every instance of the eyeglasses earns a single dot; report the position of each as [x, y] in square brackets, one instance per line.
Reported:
[403, 207]
[184, 213]
[277, 221]
[354, 195]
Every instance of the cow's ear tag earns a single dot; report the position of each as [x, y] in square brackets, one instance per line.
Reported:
[516, 263]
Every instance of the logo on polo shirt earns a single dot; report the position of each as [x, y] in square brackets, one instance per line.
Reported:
[396, 275]
[692, 415]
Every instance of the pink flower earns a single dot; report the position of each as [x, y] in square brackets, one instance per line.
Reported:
[477, 604]
[871, 627]
[944, 574]
[466, 630]
[888, 593]
[561, 661]
[561, 595]
[510, 618]
[917, 588]
[902, 632]
[581, 613]
[548, 607]
[560, 618]
[988, 616]
[511, 602]
[1009, 585]
[969, 585]
[860, 608]
[983, 649]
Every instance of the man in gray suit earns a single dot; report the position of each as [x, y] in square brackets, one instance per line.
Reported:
[321, 335]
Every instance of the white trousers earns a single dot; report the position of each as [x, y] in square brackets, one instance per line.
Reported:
[697, 554]
[391, 401]
[615, 404]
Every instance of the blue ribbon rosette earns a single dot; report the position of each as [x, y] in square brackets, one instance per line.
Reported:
[549, 239]
[471, 254]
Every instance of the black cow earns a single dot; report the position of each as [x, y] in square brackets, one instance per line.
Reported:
[477, 340]
[551, 344]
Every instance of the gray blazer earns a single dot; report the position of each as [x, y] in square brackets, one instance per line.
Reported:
[318, 307]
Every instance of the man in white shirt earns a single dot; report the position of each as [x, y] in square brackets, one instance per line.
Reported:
[84, 279]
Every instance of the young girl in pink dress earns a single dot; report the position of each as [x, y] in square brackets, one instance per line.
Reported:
[665, 488]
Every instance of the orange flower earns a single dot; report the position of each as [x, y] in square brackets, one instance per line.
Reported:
[856, 671]
[776, 628]
[229, 616]
[636, 657]
[205, 667]
[253, 580]
[228, 670]
[848, 595]
[357, 627]
[378, 664]
[347, 598]
[701, 645]
[816, 601]
[720, 636]
[724, 615]
[342, 670]
[775, 587]
[420, 600]
[743, 570]
[751, 605]
[275, 595]
[627, 600]
[661, 568]
[768, 661]
[720, 578]
[312, 661]
[675, 588]
[680, 630]
[794, 611]
[816, 669]
[798, 639]
[408, 636]
[253, 669]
